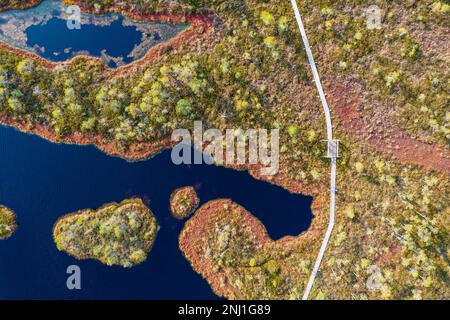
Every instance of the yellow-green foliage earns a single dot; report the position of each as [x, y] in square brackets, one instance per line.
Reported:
[253, 73]
[7, 223]
[183, 202]
[117, 234]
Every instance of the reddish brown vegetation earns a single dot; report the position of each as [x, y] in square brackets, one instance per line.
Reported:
[382, 133]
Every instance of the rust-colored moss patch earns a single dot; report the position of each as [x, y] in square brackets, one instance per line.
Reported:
[183, 202]
[232, 249]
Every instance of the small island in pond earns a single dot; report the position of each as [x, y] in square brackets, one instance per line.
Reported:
[7, 223]
[116, 234]
[183, 202]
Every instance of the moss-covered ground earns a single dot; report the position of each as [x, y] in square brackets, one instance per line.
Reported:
[116, 234]
[388, 90]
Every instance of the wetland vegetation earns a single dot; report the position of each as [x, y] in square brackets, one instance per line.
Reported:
[8, 223]
[242, 64]
[116, 234]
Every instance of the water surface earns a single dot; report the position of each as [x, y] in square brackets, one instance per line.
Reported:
[41, 181]
[116, 39]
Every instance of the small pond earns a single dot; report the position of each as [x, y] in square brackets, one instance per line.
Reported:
[49, 31]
